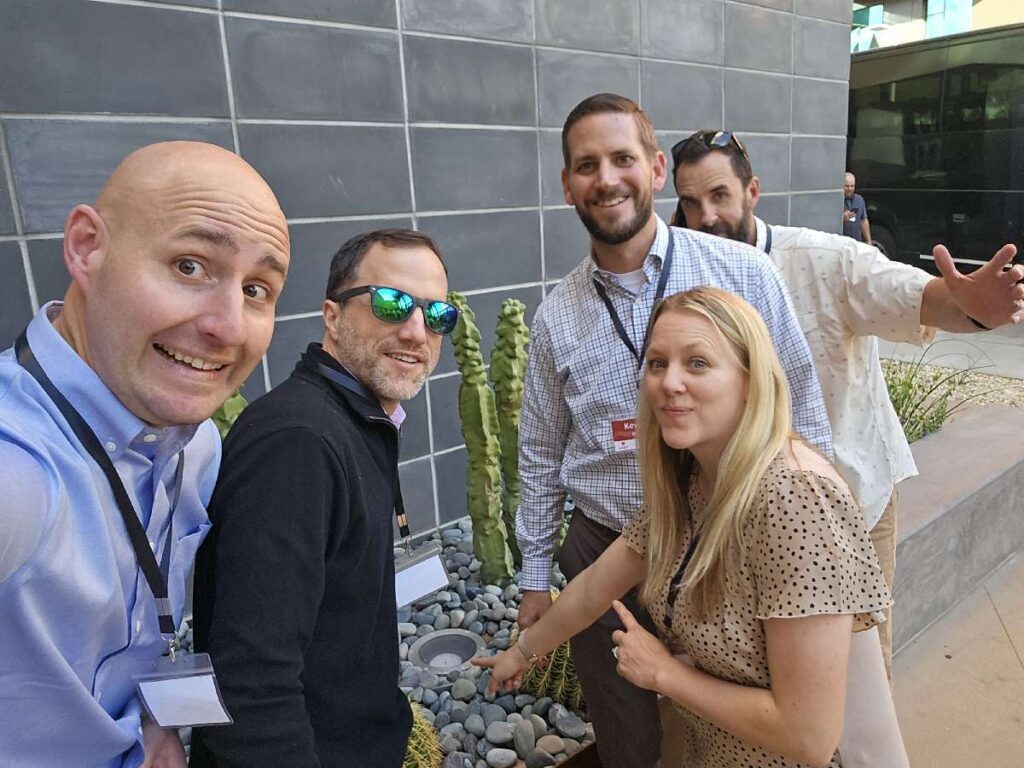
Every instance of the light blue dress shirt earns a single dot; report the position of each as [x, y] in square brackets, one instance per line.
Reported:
[77, 618]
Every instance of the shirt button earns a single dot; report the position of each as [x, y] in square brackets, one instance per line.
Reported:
[149, 438]
[111, 446]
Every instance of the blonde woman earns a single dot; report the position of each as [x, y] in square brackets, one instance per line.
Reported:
[753, 557]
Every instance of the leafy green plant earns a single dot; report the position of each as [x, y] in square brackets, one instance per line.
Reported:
[925, 395]
[423, 749]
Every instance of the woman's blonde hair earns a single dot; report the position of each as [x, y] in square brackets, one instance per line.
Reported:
[764, 428]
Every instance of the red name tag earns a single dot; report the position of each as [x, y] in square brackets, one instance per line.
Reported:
[624, 434]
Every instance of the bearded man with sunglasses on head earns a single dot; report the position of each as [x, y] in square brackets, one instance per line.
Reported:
[295, 588]
[846, 294]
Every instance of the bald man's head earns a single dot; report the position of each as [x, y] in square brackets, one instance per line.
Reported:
[849, 185]
[175, 273]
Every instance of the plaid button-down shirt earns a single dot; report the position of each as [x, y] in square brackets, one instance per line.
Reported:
[581, 376]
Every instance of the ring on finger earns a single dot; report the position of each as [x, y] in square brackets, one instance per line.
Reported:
[615, 652]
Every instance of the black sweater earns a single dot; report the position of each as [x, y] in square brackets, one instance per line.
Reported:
[295, 586]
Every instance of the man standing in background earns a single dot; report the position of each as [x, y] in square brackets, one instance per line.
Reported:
[855, 212]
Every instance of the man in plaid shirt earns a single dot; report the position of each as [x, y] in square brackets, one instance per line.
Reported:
[578, 420]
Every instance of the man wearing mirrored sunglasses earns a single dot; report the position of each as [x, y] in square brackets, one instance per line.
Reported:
[295, 591]
[579, 406]
[846, 294]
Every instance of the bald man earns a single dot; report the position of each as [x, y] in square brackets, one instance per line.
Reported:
[175, 274]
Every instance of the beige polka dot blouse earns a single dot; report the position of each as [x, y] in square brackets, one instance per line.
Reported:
[805, 552]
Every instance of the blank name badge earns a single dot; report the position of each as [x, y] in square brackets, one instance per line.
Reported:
[420, 573]
[183, 693]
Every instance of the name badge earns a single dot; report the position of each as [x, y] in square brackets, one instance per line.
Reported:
[183, 693]
[624, 434]
[419, 574]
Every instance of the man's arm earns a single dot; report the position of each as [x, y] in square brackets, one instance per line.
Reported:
[865, 225]
[893, 301]
[810, 419]
[263, 569]
[543, 433]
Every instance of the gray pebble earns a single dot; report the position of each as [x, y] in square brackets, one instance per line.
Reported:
[514, 718]
[501, 758]
[537, 758]
[542, 705]
[424, 629]
[457, 760]
[551, 744]
[475, 725]
[406, 629]
[492, 713]
[449, 745]
[572, 747]
[523, 738]
[476, 628]
[499, 732]
[443, 719]
[456, 617]
[572, 726]
[442, 622]
[539, 726]
[459, 715]
[471, 615]
[508, 703]
[463, 690]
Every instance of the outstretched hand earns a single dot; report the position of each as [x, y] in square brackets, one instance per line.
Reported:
[641, 655]
[991, 295]
[507, 670]
[162, 747]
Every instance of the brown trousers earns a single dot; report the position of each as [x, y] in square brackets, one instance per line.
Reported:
[625, 717]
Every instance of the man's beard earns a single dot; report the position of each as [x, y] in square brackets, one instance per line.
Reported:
[364, 361]
[624, 232]
[740, 233]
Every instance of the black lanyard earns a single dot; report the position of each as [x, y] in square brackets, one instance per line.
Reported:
[347, 381]
[677, 580]
[768, 239]
[666, 268]
[136, 533]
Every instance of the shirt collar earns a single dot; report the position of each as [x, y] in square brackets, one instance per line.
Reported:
[654, 259]
[117, 428]
[762, 234]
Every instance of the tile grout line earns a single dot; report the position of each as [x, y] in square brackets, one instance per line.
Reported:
[414, 216]
[1002, 624]
[540, 163]
[19, 230]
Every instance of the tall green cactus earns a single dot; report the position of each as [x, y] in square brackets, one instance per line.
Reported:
[508, 370]
[480, 431]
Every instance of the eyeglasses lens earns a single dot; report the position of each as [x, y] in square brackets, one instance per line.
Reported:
[441, 317]
[392, 306]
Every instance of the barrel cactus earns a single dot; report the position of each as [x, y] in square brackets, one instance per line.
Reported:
[423, 749]
[480, 431]
[508, 371]
[557, 678]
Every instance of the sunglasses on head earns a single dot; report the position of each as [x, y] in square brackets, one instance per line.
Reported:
[709, 139]
[394, 306]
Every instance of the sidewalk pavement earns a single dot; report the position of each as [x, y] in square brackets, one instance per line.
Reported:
[997, 353]
[959, 686]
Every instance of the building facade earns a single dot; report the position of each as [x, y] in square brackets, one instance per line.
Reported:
[443, 116]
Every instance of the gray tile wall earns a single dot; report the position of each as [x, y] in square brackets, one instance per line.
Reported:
[370, 113]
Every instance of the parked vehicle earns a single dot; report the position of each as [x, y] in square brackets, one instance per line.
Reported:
[936, 141]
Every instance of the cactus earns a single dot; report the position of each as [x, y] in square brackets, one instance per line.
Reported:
[557, 678]
[229, 410]
[423, 749]
[480, 431]
[508, 369]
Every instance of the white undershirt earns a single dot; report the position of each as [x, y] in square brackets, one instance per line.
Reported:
[631, 281]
